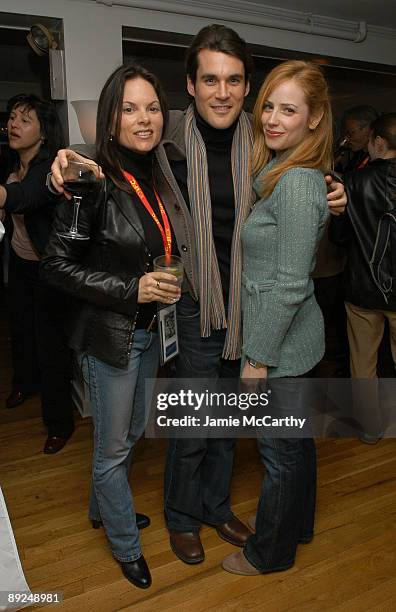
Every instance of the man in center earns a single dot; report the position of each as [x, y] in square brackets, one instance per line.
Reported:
[208, 148]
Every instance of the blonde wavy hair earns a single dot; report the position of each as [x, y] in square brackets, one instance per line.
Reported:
[315, 151]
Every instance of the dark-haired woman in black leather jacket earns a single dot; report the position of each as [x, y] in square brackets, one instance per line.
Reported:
[111, 274]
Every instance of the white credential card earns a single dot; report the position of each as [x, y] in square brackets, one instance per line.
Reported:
[167, 327]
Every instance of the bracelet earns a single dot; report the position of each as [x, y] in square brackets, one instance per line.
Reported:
[256, 364]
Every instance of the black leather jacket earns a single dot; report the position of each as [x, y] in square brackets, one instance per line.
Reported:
[103, 272]
[371, 195]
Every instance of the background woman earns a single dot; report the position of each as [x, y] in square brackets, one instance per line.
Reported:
[282, 323]
[37, 313]
[114, 331]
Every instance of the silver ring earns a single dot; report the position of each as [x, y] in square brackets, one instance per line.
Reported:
[158, 284]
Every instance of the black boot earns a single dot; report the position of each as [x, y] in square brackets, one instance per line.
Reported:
[142, 521]
[137, 572]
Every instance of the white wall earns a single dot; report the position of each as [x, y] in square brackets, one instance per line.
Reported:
[93, 44]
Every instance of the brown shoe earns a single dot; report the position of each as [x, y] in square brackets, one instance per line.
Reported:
[187, 546]
[234, 532]
[236, 563]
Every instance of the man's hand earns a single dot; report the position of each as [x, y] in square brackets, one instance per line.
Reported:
[61, 161]
[13, 178]
[336, 197]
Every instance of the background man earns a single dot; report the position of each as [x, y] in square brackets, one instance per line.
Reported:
[369, 231]
[356, 123]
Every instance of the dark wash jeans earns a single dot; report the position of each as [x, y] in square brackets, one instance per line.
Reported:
[198, 471]
[286, 508]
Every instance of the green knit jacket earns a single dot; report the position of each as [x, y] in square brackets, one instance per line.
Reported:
[282, 323]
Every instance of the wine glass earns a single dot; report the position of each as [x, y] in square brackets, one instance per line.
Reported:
[80, 178]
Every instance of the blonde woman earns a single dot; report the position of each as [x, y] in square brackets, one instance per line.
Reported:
[283, 332]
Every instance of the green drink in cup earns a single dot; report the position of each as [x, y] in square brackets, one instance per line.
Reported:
[172, 264]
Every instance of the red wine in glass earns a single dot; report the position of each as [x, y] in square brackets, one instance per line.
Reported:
[81, 186]
[80, 179]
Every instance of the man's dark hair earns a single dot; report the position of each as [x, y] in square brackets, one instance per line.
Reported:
[385, 127]
[365, 114]
[217, 37]
[108, 122]
[50, 125]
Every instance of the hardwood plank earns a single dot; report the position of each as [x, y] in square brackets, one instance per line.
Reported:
[348, 567]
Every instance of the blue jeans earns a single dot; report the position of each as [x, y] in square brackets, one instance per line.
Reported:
[286, 509]
[118, 413]
[198, 471]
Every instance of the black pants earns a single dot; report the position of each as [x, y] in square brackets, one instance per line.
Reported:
[329, 294]
[40, 354]
[198, 471]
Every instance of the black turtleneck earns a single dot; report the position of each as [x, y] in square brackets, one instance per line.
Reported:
[218, 145]
[141, 167]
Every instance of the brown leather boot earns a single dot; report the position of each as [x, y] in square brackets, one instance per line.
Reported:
[234, 532]
[187, 546]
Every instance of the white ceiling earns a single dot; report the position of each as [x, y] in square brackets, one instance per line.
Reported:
[375, 12]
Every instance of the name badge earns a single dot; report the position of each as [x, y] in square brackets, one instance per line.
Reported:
[167, 328]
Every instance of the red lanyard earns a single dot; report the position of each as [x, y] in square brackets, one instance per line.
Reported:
[166, 233]
[363, 163]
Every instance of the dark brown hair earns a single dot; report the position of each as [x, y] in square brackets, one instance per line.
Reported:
[108, 121]
[385, 127]
[217, 37]
[364, 114]
[50, 125]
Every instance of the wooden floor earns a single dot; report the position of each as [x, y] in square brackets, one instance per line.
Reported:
[350, 565]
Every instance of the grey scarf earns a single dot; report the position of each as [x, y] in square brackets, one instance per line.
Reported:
[213, 315]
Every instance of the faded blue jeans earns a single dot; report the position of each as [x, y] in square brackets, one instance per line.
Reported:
[118, 412]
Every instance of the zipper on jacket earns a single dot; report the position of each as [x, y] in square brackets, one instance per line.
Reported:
[133, 326]
[131, 334]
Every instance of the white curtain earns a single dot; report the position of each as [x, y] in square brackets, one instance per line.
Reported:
[11, 572]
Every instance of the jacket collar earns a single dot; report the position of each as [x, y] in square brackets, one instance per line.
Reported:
[174, 137]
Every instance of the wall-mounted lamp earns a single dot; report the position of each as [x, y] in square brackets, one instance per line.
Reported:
[86, 111]
[41, 39]
[43, 43]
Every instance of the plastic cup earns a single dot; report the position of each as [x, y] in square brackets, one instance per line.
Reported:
[172, 265]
